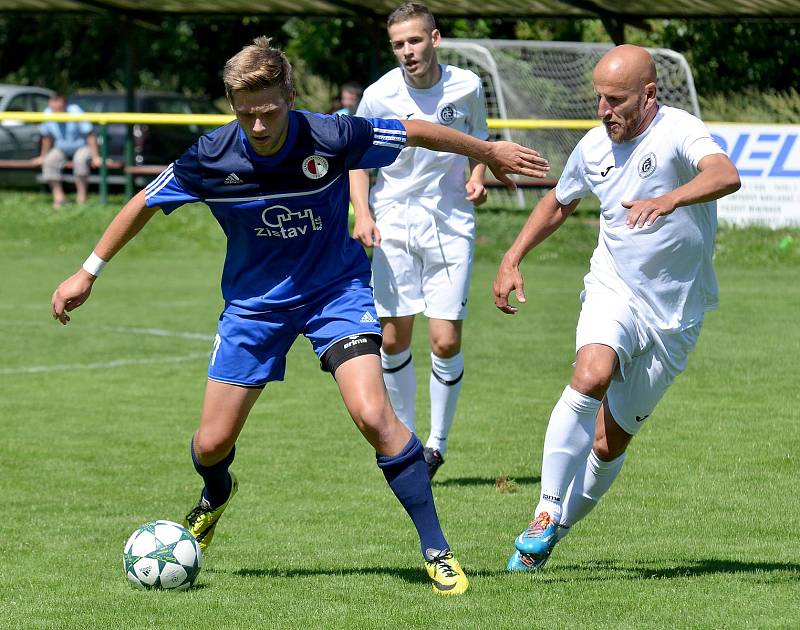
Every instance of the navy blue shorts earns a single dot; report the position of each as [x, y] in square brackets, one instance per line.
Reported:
[250, 349]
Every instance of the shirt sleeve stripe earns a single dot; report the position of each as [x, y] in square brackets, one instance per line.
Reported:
[394, 145]
[383, 136]
[152, 192]
[394, 132]
[150, 189]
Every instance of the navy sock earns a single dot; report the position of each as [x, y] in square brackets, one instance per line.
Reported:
[216, 478]
[407, 474]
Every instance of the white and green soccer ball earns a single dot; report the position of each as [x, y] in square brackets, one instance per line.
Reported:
[162, 555]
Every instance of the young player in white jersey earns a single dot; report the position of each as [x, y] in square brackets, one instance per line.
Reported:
[657, 174]
[424, 224]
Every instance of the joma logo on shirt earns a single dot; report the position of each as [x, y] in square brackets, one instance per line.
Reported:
[281, 222]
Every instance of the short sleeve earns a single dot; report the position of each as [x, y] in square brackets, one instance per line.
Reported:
[696, 141]
[479, 128]
[374, 142]
[177, 184]
[572, 184]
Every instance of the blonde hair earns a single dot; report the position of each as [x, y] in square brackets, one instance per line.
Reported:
[256, 67]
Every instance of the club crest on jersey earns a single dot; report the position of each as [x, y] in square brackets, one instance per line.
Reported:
[315, 166]
[446, 114]
[647, 165]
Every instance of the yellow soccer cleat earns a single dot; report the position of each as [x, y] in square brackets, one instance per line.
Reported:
[447, 576]
[202, 520]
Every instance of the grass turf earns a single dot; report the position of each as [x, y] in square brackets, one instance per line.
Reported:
[700, 529]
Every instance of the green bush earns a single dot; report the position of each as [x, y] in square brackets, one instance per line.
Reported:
[752, 106]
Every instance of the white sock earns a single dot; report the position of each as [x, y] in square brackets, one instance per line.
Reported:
[445, 387]
[591, 482]
[401, 383]
[569, 438]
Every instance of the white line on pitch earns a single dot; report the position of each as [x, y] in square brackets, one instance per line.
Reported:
[128, 330]
[37, 369]
[157, 332]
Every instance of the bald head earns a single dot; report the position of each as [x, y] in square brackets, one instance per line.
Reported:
[625, 84]
[626, 65]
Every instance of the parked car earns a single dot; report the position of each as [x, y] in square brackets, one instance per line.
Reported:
[152, 144]
[20, 140]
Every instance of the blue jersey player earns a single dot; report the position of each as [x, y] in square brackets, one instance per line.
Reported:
[276, 180]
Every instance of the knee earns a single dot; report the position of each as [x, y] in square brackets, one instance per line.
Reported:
[373, 419]
[445, 348]
[392, 345]
[211, 446]
[591, 380]
[605, 452]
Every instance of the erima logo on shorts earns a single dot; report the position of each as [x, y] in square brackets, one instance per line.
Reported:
[315, 166]
[281, 222]
[647, 165]
[355, 341]
[446, 114]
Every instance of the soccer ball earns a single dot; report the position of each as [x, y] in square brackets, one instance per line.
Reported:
[162, 555]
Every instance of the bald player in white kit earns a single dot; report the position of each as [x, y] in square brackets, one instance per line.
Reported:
[657, 173]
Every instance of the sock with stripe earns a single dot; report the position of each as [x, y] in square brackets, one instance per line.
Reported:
[445, 388]
[401, 383]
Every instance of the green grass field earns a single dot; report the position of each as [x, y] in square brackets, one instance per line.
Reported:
[700, 530]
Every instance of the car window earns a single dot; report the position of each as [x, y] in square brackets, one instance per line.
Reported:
[19, 103]
[100, 102]
[39, 102]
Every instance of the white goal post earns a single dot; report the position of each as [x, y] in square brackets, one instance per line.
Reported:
[526, 79]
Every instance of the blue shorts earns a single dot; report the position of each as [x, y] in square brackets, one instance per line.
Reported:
[250, 349]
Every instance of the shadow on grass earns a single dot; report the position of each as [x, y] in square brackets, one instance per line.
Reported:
[483, 481]
[600, 570]
[416, 576]
[596, 571]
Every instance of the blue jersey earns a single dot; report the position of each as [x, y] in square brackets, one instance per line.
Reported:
[286, 215]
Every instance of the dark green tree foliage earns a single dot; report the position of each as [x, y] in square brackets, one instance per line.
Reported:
[734, 56]
[73, 51]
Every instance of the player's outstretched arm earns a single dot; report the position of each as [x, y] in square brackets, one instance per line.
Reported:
[502, 157]
[717, 177]
[364, 229]
[546, 218]
[76, 289]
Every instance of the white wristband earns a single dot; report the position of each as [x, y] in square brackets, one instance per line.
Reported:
[94, 264]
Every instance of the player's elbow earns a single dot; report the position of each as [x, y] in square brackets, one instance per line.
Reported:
[734, 183]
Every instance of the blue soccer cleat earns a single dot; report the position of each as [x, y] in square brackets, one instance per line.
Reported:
[539, 538]
[525, 562]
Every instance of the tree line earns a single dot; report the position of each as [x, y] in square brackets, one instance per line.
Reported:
[185, 54]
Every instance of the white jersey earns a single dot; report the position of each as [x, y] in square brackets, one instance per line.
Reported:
[430, 179]
[665, 270]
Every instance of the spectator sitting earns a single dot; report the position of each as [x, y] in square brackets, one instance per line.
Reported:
[62, 141]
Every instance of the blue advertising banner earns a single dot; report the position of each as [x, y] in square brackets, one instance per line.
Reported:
[768, 159]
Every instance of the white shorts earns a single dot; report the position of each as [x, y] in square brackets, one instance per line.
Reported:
[421, 266]
[649, 359]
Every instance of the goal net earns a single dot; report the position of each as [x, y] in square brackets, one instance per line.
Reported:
[553, 81]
